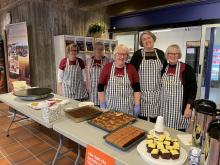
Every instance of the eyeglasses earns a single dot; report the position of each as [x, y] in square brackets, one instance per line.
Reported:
[173, 54]
[121, 54]
[73, 50]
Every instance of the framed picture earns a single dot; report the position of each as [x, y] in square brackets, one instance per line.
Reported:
[106, 43]
[113, 44]
[69, 40]
[80, 41]
[89, 44]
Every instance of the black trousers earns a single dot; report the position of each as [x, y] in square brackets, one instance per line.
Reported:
[152, 119]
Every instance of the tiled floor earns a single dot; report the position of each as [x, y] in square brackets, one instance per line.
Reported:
[30, 143]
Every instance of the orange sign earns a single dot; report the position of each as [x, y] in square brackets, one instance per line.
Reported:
[96, 157]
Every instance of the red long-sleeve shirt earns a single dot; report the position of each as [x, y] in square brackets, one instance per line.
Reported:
[119, 72]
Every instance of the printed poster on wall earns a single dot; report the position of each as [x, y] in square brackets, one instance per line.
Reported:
[69, 40]
[18, 54]
[80, 41]
[3, 86]
[89, 44]
[114, 43]
[215, 63]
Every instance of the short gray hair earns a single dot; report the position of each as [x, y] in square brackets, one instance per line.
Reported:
[148, 33]
[120, 46]
[173, 46]
[99, 44]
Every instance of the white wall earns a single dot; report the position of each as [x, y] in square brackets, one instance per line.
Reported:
[178, 36]
[127, 40]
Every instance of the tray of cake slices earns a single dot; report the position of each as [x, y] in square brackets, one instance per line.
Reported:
[126, 137]
[162, 150]
[83, 113]
[112, 120]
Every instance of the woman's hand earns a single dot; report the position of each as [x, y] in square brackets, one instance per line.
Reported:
[59, 90]
[188, 111]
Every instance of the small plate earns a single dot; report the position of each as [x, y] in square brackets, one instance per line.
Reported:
[152, 132]
[36, 105]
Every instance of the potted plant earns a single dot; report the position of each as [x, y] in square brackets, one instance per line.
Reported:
[96, 30]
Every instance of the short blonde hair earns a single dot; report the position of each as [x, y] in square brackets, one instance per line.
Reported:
[173, 46]
[148, 33]
[120, 46]
[68, 48]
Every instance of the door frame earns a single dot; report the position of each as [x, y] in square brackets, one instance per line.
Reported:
[202, 55]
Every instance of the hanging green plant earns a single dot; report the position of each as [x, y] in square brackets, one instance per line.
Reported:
[96, 28]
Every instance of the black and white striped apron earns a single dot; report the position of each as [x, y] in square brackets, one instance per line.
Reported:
[73, 85]
[172, 100]
[150, 82]
[119, 93]
[94, 73]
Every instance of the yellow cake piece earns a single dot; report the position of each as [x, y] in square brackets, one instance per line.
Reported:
[164, 151]
[149, 141]
[160, 146]
[161, 138]
[155, 151]
[168, 147]
[152, 145]
[174, 152]
[166, 142]
[176, 146]
[168, 138]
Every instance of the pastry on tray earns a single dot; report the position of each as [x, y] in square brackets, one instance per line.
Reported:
[82, 113]
[174, 154]
[155, 153]
[111, 120]
[150, 147]
[125, 136]
[165, 154]
[149, 142]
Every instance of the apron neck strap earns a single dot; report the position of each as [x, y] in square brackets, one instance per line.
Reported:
[113, 69]
[143, 53]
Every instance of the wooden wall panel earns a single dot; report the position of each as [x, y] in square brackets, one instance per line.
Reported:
[45, 20]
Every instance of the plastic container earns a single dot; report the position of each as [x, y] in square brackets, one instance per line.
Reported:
[52, 113]
[194, 156]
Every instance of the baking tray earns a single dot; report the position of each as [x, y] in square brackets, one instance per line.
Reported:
[129, 146]
[105, 129]
[96, 112]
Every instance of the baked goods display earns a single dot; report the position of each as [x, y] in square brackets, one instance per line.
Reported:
[125, 137]
[111, 120]
[56, 100]
[82, 113]
[163, 146]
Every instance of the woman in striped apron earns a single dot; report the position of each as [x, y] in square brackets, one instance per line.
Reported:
[121, 83]
[94, 66]
[71, 76]
[149, 62]
[178, 91]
